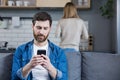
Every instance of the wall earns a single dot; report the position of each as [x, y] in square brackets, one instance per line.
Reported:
[17, 35]
[22, 33]
[99, 27]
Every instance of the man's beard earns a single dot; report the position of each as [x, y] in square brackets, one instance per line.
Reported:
[40, 37]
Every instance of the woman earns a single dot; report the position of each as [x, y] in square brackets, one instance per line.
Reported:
[71, 29]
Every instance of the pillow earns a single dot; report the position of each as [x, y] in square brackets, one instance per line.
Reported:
[100, 66]
[5, 66]
[74, 65]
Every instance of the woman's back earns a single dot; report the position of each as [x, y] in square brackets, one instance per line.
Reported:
[71, 29]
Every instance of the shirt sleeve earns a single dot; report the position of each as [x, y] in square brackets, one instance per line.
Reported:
[59, 74]
[19, 74]
[84, 31]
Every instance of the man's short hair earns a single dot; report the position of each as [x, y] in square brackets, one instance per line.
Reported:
[42, 16]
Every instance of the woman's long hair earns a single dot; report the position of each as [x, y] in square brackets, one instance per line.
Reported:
[70, 11]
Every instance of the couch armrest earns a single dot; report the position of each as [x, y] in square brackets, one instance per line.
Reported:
[5, 66]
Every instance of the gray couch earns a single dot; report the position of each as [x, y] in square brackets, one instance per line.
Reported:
[84, 66]
[93, 66]
[5, 66]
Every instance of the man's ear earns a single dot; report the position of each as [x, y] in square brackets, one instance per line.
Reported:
[32, 26]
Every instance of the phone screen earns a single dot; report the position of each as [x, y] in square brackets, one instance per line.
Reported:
[39, 52]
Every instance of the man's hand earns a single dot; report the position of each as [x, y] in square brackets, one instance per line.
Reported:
[42, 60]
[45, 62]
[36, 60]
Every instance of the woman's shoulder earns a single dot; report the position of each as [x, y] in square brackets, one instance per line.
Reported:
[69, 19]
[79, 20]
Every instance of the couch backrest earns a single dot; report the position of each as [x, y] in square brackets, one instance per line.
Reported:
[5, 66]
[95, 66]
[73, 58]
[74, 65]
[100, 66]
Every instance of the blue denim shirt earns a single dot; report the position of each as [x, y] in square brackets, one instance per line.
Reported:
[23, 55]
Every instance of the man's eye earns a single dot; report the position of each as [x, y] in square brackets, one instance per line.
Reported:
[45, 28]
[38, 27]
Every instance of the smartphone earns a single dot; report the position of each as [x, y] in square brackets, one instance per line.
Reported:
[39, 52]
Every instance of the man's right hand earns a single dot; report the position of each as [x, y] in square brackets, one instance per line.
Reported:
[33, 62]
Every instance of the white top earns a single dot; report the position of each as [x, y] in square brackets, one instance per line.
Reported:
[70, 31]
[39, 72]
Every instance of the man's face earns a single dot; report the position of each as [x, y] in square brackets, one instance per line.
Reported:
[41, 30]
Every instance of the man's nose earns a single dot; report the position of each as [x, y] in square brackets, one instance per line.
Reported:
[41, 31]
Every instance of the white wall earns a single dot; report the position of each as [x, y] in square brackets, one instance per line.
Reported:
[16, 36]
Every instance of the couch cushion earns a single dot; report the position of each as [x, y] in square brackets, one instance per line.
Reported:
[5, 66]
[74, 65]
[100, 66]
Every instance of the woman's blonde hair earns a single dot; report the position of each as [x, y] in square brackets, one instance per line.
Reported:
[70, 11]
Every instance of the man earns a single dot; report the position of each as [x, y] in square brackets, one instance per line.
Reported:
[27, 65]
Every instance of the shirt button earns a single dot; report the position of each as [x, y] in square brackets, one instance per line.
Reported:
[23, 59]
